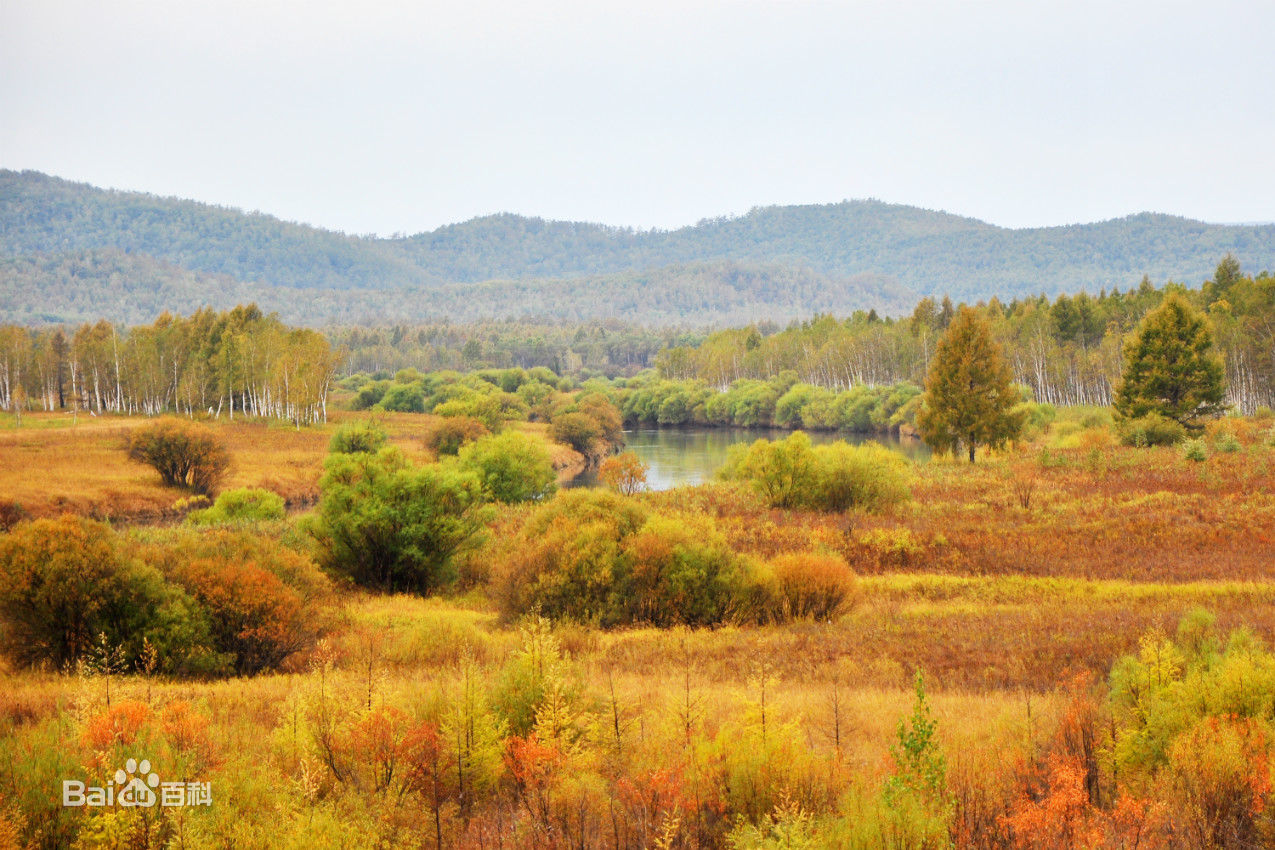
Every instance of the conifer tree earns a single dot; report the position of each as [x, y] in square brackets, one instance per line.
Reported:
[969, 396]
[1170, 367]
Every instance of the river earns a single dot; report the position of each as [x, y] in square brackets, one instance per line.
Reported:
[677, 456]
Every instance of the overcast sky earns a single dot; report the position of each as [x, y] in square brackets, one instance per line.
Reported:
[399, 117]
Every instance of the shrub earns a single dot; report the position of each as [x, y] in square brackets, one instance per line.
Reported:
[565, 560]
[1151, 430]
[1194, 450]
[486, 409]
[674, 570]
[390, 526]
[183, 453]
[869, 477]
[624, 473]
[245, 504]
[783, 472]
[365, 437]
[511, 467]
[67, 587]
[811, 585]
[403, 398]
[264, 601]
[449, 434]
[576, 430]
[1227, 443]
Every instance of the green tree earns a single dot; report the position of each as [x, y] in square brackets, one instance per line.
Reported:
[969, 395]
[1170, 367]
[391, 526]
[511, 466]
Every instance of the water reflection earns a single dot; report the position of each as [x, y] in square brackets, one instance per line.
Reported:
[677, 456]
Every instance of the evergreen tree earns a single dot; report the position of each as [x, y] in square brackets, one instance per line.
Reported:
[1170, 367]
[969, 397]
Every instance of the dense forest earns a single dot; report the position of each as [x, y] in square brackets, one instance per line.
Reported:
[1068, 350]
[70, 252]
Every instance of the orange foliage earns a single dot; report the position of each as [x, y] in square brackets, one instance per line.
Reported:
[119, 724]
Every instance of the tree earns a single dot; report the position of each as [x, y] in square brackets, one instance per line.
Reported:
[969, 398]
[1170, 367]
[183, 453]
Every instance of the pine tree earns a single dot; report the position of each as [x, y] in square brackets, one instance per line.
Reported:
[969, 396]
[1170, 367]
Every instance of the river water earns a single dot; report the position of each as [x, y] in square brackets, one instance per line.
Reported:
[677, 456]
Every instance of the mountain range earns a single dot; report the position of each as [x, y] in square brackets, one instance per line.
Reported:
[71, 252]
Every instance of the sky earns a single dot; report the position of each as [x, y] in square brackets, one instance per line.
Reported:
[399, 117]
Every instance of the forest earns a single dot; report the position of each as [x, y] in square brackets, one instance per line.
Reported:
[71, 253]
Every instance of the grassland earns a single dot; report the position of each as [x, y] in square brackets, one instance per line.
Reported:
[1001, 581]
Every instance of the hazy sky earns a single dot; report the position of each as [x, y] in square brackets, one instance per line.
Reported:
[395, 116]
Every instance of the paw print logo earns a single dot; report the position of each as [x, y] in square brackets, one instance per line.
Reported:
[136, 783]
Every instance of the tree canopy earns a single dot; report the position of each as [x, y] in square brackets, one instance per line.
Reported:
[969, 393]
[1171, 368]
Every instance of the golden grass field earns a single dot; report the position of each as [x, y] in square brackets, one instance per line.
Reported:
[1001, 581]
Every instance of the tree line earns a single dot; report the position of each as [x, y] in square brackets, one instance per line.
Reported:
[237, 362]
[1068, 351]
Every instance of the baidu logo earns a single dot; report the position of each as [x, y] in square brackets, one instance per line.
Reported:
[135, 786]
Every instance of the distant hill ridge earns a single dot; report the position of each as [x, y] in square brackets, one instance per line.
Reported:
[841, 257]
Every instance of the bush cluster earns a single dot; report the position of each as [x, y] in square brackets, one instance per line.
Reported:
[242, 505]
[779, 402]
[72, 590]
[594, 556]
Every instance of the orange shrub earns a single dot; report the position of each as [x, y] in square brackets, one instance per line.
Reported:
[183, 453]
[811, 584]
[119, 724]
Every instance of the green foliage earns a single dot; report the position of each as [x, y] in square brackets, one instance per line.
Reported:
[969, 398]
[1170, 367]
[1195, 450]
[66, 585]
[403, 398]
[184, 454]
[512, 467]
[576, 430]
[791, 473]
[916, 792]
[364, 437]
[387, 525]
[1151, 430]
[866, 477]
[245, 504]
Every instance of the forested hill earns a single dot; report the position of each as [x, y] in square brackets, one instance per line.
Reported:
[70, 251]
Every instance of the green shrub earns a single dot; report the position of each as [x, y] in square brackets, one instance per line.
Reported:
[1194, 450]
[868, 477]
[577, 430]
[67, 587]
[365, 437]
[511, 467]
[403, 398]
[245, 504]
[390, 526]
[1151, 430]
[784, 472]
[1227, 443]
[185, 454]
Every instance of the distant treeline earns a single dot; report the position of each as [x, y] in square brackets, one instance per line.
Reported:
[1068, 351]
[239, 361]
[609, 348]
